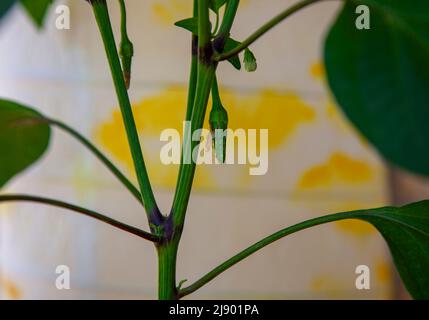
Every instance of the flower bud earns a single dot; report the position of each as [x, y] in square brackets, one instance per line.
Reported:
[218, 124]
[126, 48]
[250, 63]
[126, 52]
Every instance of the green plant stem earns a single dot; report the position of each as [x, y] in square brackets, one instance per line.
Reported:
[228, 18]
[216, 26]
[206, 74]
[84, 211]
[192, 79]
[206, 70]
[124, 33]
[263, 243]
[265, 28]
[194, 66]
[167, 252]
[167, 255]
[103, 20]
[113, 169]
[204, 26]
[187, 173]
[217, 102]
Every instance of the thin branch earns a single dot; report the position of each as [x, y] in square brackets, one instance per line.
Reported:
[60, 204]
[194, 65]
[265, 28]
[216, 26]
[115, 171]
[263, 243]
[228, 18]
[215, 94]
[103, 21]
[192, 86]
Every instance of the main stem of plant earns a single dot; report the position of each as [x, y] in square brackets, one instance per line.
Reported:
[205, 69]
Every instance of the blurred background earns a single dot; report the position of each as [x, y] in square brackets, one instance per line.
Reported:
[318, 163]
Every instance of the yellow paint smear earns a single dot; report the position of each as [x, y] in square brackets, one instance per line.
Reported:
[10, 289]
[317, 71]
[167, 12]
[355, 227]
[383, 271]
[326, 284]
[282, 113]
[339, 169]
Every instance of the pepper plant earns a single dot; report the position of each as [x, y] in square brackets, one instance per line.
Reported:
[379, 77]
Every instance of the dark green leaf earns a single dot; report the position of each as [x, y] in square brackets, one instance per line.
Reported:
[249, 61]
[190, 24]
[380, 77]
[215, 5]
[406, 231]
[5, 5]
[37, 9]
[235, 60]
[23, 139]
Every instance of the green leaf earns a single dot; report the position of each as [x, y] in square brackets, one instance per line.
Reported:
[181, 283]
[235, 60]
[37, 9]
[5, 6]
[249, 61]
[23, 139]
[406, 231]
[215, 5]
[190, 24]
[380, 77]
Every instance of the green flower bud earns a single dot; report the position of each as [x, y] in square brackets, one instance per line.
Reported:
[126, 48]
[250, 61]
[218, 124]
[126, 52]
